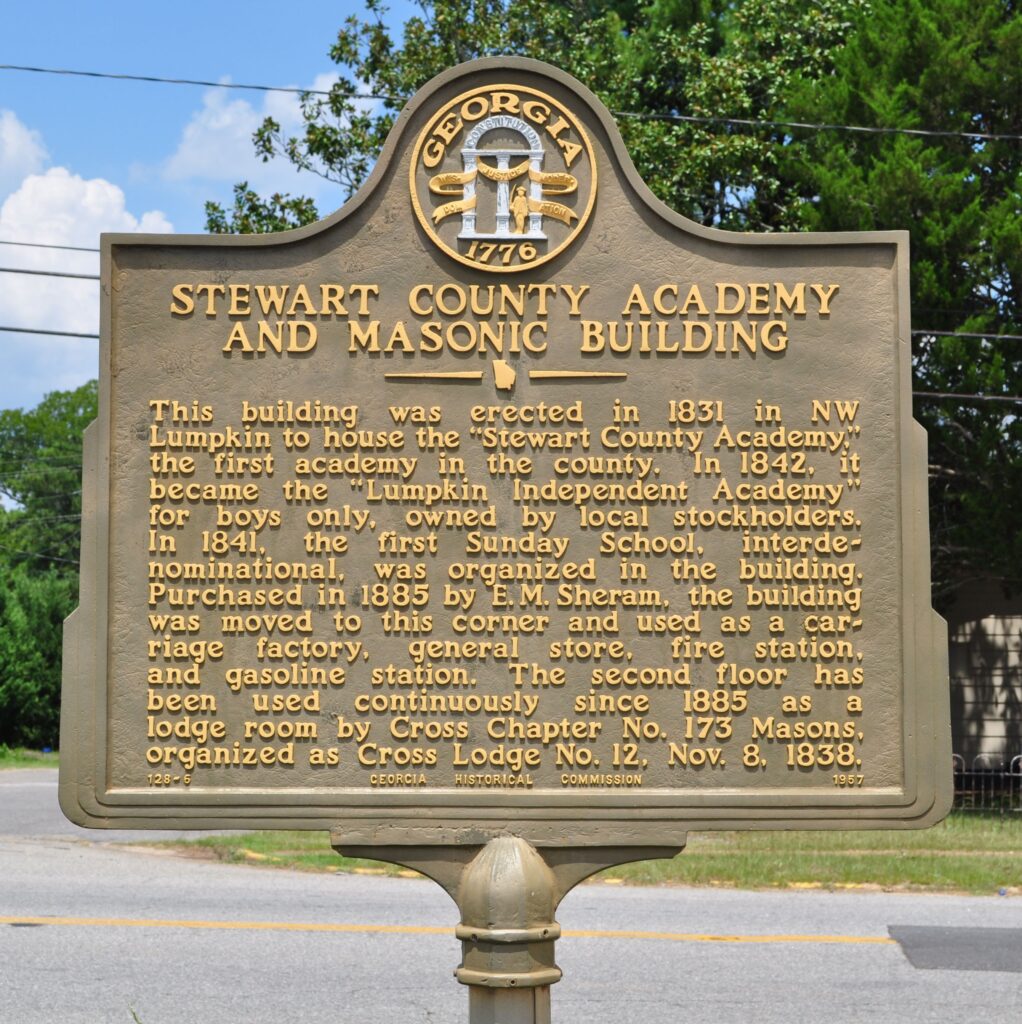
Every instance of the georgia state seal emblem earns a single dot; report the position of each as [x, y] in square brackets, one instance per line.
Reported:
[503, 178]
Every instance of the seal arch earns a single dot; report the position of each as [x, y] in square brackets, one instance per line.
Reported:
[472, 165]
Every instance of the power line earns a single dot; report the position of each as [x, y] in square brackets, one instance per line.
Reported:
[919, 333]
[748, 122]
[44, 245]
[634, 115]
[967, 334]
[967, 397]
[57, 450]
[48, 273]
[58, 334]
[37, 465]
[28, 472]
[23, 458]
[63, 494]
[192, 81]
[37, 554]
[14, 457]
[41, 519]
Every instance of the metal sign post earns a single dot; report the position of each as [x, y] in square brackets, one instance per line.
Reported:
[507, 892]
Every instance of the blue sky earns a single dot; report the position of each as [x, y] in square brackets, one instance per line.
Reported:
[79, 156]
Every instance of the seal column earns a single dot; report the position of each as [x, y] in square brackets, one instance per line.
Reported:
[503, 196]
[507, 898]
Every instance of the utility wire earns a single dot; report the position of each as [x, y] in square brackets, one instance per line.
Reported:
[12, 457]
[47, 273]
[971, 335]
[29, 468]
[967, 397]
[967, 334]
[21, 486]
[748, 122]
[193, 81]
[40, 465]
[44, 245]
[918, 394]
[21, 458]
[64, 494]
[37, 554]
[81, 248]
[43, 519]
[8, 475]
[38, 330]
[634, 115]
[918, 333]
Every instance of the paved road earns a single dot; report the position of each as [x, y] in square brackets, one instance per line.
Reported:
[28, 807]
[182, 941]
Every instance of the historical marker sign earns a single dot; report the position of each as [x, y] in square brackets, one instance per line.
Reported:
[505, 497]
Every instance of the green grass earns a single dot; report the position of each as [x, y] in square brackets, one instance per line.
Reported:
[299, 851]
[968, 853]
[19, 757]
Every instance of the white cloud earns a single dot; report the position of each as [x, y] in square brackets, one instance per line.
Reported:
[21, 151]
[62, 208]
[58, 208]
[216, 144]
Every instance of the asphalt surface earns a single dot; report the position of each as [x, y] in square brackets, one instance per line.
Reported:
[28, 807]
[92, 932]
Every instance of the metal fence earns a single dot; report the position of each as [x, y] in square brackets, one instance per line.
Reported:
[987, 785]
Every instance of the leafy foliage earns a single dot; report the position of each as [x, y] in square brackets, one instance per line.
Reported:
[40, 470]
[252, 215]
[700, 58]
[948, 65]
[32, 611]
[934, 64]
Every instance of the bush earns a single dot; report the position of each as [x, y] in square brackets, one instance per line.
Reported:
[32, 612]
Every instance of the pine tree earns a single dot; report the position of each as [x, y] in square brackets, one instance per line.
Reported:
[951, 66]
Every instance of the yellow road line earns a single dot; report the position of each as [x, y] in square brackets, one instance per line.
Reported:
[406, 929]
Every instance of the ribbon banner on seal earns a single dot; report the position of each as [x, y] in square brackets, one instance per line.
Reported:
[552, 183]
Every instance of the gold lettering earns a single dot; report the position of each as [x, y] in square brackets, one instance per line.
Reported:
[824, 293]
[240, 300]
[737, 303]
[658, 299]
[211, 291]
[183, 303]
[637, 299]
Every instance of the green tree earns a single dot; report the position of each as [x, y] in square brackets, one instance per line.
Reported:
[41, 473]
[935, 64]
[33, 606]
[952, 66]
[40, 478]
[698, 58]
[253, 215]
